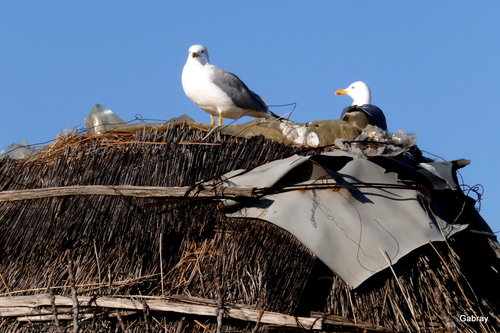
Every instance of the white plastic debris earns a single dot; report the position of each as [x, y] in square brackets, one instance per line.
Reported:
[19, 150]
[102, 120]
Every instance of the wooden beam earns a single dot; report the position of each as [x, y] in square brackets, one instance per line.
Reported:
[333, 321]
[51, 317]
[129, 191]
[38, 308]
[12, 306]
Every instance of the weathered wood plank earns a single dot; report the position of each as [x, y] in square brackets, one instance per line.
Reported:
[69, 316]
[30, 302]
[129, 191]
[27, 311]
[32, 308]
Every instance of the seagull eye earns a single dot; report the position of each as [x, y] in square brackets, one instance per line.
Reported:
[202, 51]
[353, 87]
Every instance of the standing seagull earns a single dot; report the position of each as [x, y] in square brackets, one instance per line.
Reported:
[218, 92]
[361, 112]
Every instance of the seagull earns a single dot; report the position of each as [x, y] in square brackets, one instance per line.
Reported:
[218, 92]
[361, 112]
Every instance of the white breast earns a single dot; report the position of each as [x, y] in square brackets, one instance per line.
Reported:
[197, 81]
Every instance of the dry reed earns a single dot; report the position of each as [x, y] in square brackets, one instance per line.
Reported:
[120, 247]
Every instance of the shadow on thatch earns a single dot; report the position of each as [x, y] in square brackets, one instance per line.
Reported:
[186, 267]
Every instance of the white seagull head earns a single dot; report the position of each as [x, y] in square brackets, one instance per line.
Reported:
[359, 92]
[198, 53]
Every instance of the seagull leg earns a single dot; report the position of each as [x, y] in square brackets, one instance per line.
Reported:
[212, 120]
[221, 119]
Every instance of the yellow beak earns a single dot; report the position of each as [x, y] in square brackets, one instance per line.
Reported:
[340, 92]
[195, 55]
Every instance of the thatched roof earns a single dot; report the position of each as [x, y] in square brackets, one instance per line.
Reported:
[125, 263]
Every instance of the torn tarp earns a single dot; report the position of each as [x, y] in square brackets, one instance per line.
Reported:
[312, 134]
[355, 215]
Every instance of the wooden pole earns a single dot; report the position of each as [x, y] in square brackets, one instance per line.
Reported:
[129, 191]
[32, 307]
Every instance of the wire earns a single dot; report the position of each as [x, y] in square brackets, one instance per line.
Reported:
[437, 156]
[478, 190]
[289, 114]
[282, 105]
[140, 118]
[28, 145]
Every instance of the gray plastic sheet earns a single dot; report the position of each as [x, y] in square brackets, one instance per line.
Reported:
[359, 227]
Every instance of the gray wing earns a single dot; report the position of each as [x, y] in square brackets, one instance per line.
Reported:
[373, 112]
[238, 91]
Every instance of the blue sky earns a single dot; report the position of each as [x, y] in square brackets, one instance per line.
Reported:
[433, 67]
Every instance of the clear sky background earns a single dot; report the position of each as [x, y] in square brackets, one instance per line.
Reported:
[433, 67]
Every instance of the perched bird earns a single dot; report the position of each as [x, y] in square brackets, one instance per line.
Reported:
[218, 92]
[361, 112]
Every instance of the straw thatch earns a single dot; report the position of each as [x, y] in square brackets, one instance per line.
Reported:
[186, 254]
